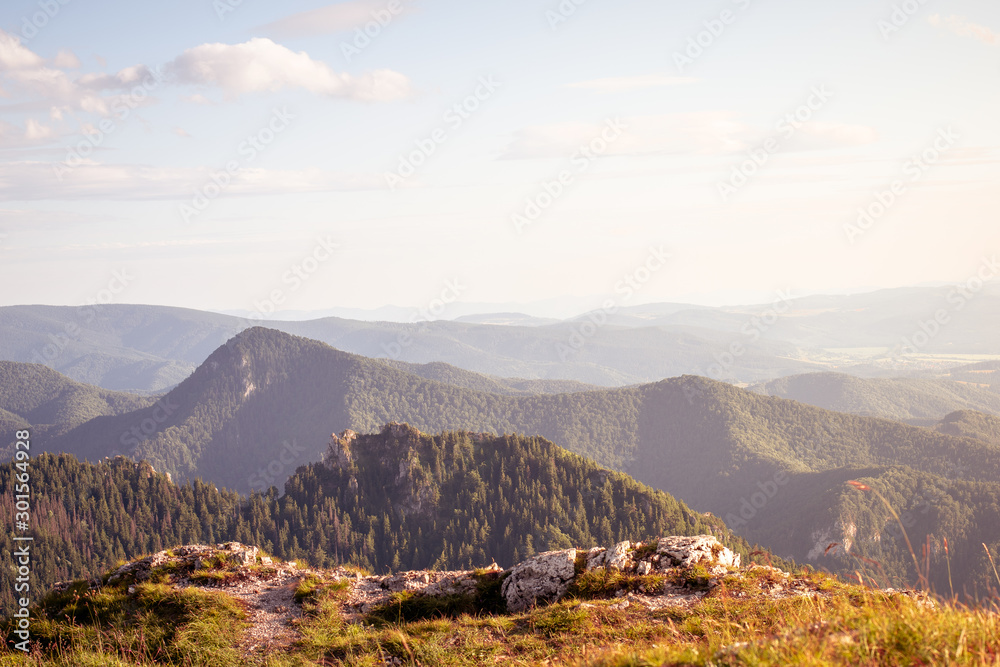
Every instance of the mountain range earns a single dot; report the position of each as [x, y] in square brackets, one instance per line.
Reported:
[774, 469]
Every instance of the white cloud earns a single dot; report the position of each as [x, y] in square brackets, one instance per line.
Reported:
[122, 80]
[33, 134]
[181, 132]
[35, 131]
[39, 84]
[15, 56]
[340, 17]
[27, 181]
[625, 83]
[261, 65]
[66, 59]
[964, 28]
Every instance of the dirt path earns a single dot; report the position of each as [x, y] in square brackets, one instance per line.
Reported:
[270, 607]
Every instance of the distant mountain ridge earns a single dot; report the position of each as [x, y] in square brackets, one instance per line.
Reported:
[152, 348]
[915, 400]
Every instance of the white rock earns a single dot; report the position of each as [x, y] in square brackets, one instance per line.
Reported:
[596, 557]
[619, 557]
[703, 549]
[541, 579]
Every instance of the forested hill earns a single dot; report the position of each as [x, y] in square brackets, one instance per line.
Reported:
[777, 471]
[698, 437]
[394, 500]
[969, 423]
[51, 404]
[267, 402]
[912, 400]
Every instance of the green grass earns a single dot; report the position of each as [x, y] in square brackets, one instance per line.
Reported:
[411, 607]
[155, 623]
[602, 583]
[737, 623]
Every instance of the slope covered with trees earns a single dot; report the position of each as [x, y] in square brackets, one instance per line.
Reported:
[971, 424]
[267, 402]
[912, 400]
[394, 500]
[51, 404]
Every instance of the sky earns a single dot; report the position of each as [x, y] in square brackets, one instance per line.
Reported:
[300, 156]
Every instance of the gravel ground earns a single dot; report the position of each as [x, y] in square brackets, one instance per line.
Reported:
[270, 607]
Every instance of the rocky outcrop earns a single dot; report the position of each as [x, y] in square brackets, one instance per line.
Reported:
[370, 592]
[542, 579]
[619, 557]
[668, 572]
[338, 453]
[401, 431]
[700, 550]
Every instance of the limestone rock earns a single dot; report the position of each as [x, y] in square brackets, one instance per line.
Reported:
[338, 452]
[541, 579]
[596, 558]
[242, 555]
[702, 549]
[620, 557]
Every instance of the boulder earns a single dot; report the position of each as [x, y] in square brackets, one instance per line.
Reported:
[620, 557]
[240, 554]
[701, 549]
[539, 580]
[596, 558]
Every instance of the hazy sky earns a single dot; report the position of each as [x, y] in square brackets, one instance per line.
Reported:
[208, 154]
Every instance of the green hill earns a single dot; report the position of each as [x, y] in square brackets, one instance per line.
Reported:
[919, 401]
[970, 424]
[52, 404]
[777, 471]
[267, 402]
